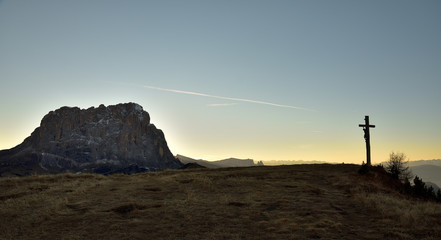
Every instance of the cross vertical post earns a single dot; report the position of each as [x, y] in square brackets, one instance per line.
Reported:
[366, 127]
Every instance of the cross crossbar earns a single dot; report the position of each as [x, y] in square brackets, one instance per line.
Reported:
[364, 125]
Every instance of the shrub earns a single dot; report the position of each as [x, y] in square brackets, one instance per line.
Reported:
[364, 169]
[419, 187]
[397, 166]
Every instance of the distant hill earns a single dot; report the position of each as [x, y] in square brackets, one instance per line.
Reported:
[230, 162]
[235, 162]
[290, 162]
[429, 173]
[187, 160]
[435, 162]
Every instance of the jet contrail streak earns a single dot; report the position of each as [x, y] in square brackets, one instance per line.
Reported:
[227, 98]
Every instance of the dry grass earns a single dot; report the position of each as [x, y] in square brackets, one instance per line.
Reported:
[286, 202]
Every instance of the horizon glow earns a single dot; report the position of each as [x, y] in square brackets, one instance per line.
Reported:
[265, 80]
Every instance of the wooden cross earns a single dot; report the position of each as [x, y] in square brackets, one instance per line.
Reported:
[366, 127]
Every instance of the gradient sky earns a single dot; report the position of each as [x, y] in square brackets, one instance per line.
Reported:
[268, 80]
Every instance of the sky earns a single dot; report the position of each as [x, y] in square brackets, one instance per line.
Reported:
[267, 80]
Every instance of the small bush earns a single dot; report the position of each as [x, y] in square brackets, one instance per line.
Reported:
[398, 167]
[364, 169]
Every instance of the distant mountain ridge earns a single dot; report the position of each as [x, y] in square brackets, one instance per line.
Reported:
[429, 173]
[117, 138]
[230, 162]
[435, 162]
[291, 162]
[235, 162]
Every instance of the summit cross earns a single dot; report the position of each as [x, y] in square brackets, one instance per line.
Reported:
[366, 127]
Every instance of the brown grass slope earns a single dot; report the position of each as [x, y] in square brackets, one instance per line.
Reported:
[284, 202]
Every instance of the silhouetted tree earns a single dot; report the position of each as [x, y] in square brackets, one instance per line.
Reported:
[438, 196]
[407, 187]
[397, 166]
[430, 193]
[419, 187]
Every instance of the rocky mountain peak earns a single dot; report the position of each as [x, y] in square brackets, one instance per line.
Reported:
[101, 139]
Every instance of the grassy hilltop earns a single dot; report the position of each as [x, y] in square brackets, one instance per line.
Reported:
[283, 202]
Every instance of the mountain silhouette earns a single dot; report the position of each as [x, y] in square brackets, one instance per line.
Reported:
[230, 162]
[117, 138]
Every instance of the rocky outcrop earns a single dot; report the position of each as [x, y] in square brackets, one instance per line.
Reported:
[103, 139]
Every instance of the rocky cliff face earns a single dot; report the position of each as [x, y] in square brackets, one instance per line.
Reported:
[116, 138]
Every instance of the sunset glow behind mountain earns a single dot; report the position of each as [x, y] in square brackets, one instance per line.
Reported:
[267, 80]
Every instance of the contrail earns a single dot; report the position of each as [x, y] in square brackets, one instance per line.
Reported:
[221, 104]
[227, 98]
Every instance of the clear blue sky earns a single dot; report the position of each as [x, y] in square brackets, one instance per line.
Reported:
[254, 79]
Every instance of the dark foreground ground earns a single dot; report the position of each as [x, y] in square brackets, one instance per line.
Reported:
[284, 202]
